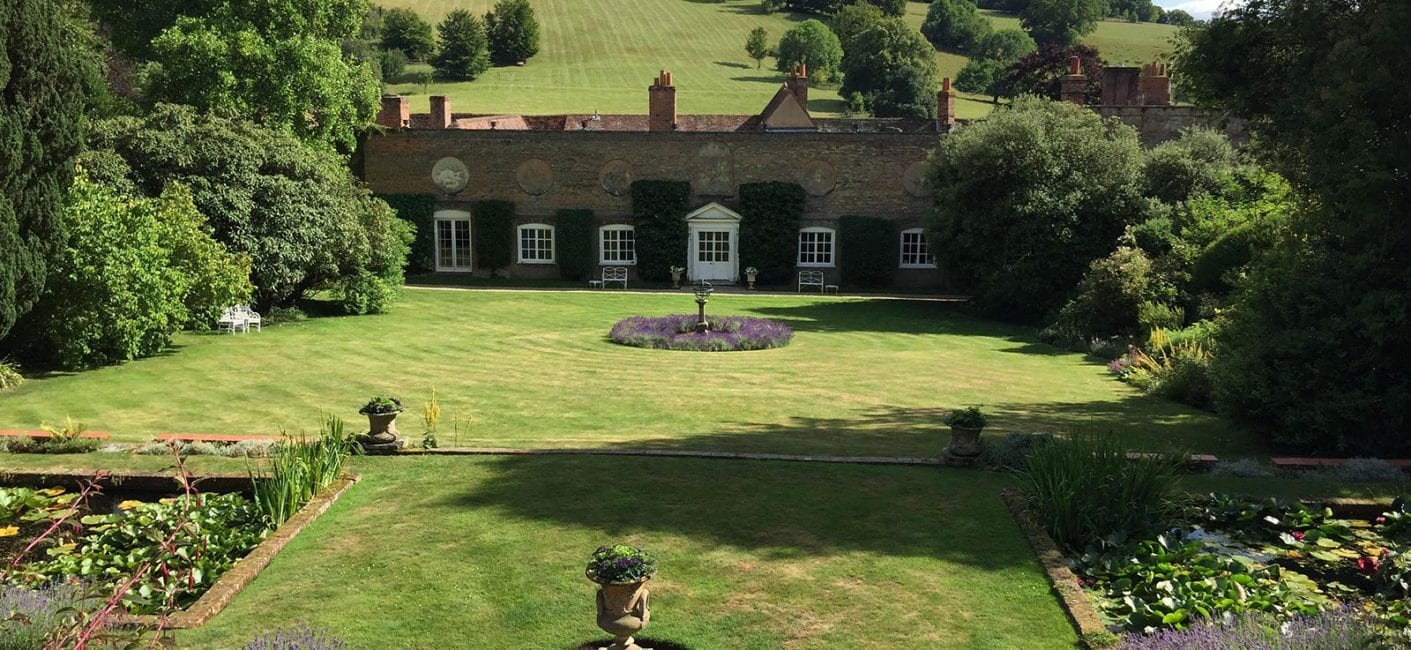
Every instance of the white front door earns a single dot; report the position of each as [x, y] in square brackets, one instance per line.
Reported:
[715, 255]
[453, 240]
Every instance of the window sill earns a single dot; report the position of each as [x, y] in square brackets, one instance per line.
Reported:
[607, 263]
[917, 266]
[816, 266]
[536, 261]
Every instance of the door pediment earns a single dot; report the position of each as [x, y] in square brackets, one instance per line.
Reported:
[713, 213]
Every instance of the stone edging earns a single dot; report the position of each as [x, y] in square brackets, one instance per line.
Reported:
[233, 581]
[1071, 598]
[672, 453]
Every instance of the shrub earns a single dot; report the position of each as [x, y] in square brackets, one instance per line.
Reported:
[381, 404]
[281, 315]
[49, 445]
[1153, 315]
[494, 238]
[419, 211]
[1011, 452]
[299, 637]
[1241, 468]
[999, 229]
[365, 293]
[867, 251]
[769, 228]
[392, 63]
[1109, 298]
[574, 234]
[10, 377]
[659, 217]
[1200, 161]
[464, 47]
[678, 332]
[1005, 46]
[1362, 470]
[1178, 370]
[1085, 489]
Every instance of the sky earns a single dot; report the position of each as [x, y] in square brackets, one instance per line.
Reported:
[1197, 8]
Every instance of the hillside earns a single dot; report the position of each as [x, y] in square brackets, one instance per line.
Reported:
[602, 54]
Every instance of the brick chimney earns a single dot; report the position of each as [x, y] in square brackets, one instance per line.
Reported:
[440, 112]
[798, 83]
[661, 113]
[1073, 86]
[1155, 85]
[1121, 87]
[945, 105]
[395, 113]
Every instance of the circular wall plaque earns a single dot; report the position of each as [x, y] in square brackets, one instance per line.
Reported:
[449, 175]
[915, 180]
[819, 177]
[535, 176]
[616, 177]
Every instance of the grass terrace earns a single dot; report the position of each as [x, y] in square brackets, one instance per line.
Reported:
[535, 369]
[602, 54]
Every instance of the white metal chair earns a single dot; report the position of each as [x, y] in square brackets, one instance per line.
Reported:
[811, 279]
[614, 274]
[231, 320]
[252, 317]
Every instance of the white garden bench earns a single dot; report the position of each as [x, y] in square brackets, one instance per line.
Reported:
[239, 317]
[815, 279]
[610, 274]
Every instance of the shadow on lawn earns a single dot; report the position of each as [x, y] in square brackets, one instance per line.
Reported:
[779, 509]
[895, 316]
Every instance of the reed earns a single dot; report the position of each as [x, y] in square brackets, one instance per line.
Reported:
[299, 468]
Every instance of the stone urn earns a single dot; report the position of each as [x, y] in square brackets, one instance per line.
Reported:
[676, 279]
[750, 277]
[622, 611]
[964, 445]
[382, 436]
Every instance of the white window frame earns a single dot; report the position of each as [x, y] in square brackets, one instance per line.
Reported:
[452, 217]
[603, 248]
[519, 243]
[925, 245]
[832, 249]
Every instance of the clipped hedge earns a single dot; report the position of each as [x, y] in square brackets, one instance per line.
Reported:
[868, 251]
[769, 229]
[493, 222]
[659, 216]
[419, 210]
[574, 231]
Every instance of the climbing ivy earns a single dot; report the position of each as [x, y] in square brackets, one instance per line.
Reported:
[659, 215]
[494, 234]
[868, 250]
[574, 230]
[769, 228]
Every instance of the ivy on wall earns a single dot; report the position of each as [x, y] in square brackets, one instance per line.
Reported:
[769, 229]
[868, 251]
[659, 216]
[493, 225]
[419, 210]
[574, 229]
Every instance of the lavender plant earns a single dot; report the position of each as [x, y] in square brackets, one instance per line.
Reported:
[1337, 629]
[299, 637]
[30, 617]
[677, 332]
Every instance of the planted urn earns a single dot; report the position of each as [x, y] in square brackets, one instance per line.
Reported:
[382, 436]
[621, 573]
[965, 427]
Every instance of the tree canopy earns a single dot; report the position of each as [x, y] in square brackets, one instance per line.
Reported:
[1026, 198]
[811, 43]
[513, 31]
[955, 25]
[1314, 350]
[757, 45]
[464, 52]
[47, 75]
[1062, 22]
[405, 30]
[894, 69]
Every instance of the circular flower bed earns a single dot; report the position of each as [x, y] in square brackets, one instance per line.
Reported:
[678, 332]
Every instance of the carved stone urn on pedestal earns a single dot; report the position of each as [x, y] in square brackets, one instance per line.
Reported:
[382, 436]
[623, 611]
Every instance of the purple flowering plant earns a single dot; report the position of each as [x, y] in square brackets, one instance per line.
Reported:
[299, 637]
[678, 332]
[621, 563]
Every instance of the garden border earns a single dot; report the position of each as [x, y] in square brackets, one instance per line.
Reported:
[1062, 580]
[241, 574]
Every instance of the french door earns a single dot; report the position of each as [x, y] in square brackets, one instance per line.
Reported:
[453, 243]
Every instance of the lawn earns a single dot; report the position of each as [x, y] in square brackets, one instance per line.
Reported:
[534, 369]
[600, 55]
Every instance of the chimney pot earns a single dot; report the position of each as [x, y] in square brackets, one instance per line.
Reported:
[661, 104]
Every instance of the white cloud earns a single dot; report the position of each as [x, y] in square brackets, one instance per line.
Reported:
[1198, 8]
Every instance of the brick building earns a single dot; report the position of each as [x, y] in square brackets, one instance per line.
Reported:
[868, 167]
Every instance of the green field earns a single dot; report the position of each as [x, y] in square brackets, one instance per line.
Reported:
[535, 369]
[600, 55]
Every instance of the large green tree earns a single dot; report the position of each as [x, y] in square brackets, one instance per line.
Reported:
[1062, 21]
[464, 49]
[1026, 199]
[405, 30]
[893, 68]
[955, 25]
[279, 62]
[1315, 351]
[852, 20]
[47, 75]
[811, 43]
[513, 31]
[299, 214]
